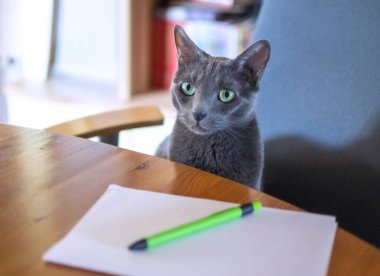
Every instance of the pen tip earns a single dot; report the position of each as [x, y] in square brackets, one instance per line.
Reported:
[139, 245]
[257, 206]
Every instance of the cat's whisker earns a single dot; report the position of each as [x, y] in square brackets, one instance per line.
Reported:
[236, 129]
[235, 134]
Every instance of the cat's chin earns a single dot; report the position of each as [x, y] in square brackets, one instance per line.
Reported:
[199, 130]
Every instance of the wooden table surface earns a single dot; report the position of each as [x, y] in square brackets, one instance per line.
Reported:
[49, 181]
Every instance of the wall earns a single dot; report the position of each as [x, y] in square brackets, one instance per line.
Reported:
[25, 31]
[86, 39]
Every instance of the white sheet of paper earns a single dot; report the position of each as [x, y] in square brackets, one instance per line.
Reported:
[272, 242]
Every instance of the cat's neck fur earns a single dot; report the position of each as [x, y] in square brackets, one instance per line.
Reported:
[241, 147]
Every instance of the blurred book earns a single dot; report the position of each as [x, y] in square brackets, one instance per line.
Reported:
[202, 22]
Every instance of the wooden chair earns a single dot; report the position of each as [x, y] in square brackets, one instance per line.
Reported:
[107, 125]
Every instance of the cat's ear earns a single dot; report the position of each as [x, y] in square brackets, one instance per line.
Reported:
[186, 48]
[255, 58]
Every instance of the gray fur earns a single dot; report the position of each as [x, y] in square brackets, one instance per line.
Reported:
[221, 138]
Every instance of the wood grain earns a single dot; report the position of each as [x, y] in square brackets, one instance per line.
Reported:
[49, 181]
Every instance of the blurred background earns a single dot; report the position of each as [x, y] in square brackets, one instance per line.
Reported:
[319, 97]
[65, 59]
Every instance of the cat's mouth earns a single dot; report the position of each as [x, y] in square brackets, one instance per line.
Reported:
[197, 129]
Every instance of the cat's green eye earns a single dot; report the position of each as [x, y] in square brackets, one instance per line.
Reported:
[187, 88]
[226, 96]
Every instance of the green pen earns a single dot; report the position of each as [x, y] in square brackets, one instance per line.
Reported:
[196, 226]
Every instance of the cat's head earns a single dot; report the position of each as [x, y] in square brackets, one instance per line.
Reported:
[212, 94]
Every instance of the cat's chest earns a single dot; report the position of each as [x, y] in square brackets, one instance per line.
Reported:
[213, 149]
[213, 153]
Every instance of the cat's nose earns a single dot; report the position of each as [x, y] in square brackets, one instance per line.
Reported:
[199, 115]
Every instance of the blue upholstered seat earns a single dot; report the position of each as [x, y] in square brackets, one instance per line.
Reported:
[319, 108]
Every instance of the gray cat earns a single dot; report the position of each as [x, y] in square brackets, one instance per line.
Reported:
[216, 128]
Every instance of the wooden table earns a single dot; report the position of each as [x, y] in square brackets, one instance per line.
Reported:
[49, 181]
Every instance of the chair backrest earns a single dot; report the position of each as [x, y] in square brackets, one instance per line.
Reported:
[319, 108]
